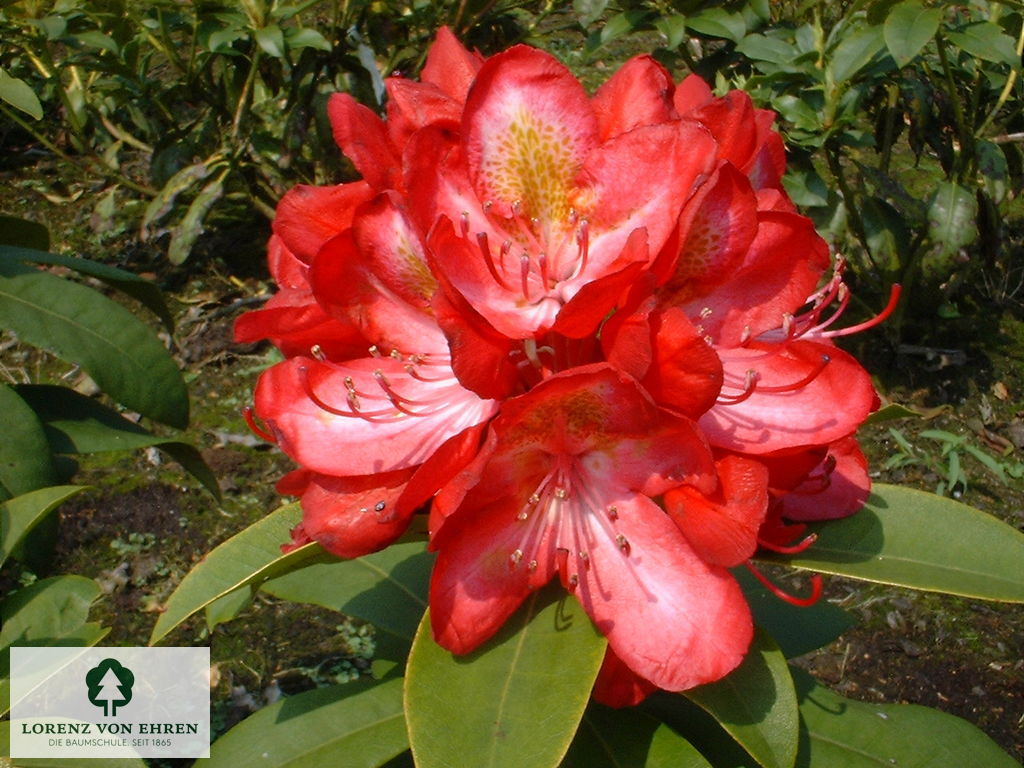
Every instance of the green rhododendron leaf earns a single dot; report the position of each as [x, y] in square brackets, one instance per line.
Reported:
[356, 725]
[21, 514]
[611, 738]
[853, 734]
[515, 701]
[855, 51]
[25, 459]
[23, 233]
[20, 95]
[717, 22]
[386, 588]
[987, 41]
[80, 325]
[50, 612]
[245, 560]
[915, 539]
[74, 423]
[144, 291]
[187, 231]
[908, 28]
[62, 762]
[756, 704]
[796, 629]
[951, 217]
[271, 40]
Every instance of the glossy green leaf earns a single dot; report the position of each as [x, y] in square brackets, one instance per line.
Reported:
[515, 701]
[673, 27]
[909, 28]
[164, 201]
[386, 588]
[23, 233]
[854, 52]
[74, 423]
[951, 217]
[271, 40]
[588, 11]
[21, 514]
[699, 728]
[245, 560]
[227, 607]
[914, 539]
[805, 187]
[615, 738]
[841, 732]
[717, 22]
[886, 231]
[796, 629]
[185, 234]
[83, 326]
[618, 25]
[994, 170]
[221, 40]
[306, 38]
[96, 39]
[144, 291]
[59, 762]
[50, 612]
[756, 704]
[356, 725]
[891, 412]
[25, 459]
[987, 41]
[47, 612]
[20, 95]
[770, 49]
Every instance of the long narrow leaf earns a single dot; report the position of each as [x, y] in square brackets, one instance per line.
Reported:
[854, 734]
[386, 588]
[614, 738]
[82, 326]
[915, 539]
[74, 423]
[356, 725]
[61, 762]
[25, 459]
[245, 560]
[756, 704]
[144, 291]
[515, 701]
[21, 514]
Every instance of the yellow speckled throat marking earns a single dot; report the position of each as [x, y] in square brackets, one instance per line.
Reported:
[533, 163]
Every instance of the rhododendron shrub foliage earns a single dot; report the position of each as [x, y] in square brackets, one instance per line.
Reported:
[589, 335]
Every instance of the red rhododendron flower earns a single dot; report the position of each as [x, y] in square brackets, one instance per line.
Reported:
[592, 333]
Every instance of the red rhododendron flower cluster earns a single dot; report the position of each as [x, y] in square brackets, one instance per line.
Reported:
[591, 331]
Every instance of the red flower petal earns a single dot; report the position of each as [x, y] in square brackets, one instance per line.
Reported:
[375, 436]
[364, 139]
[307, 217]
[722, 527]
[450, 66]
[619, 686]
[353, 516]
[829, 407]
[685, 374]
[639, 93]
[671, 618]
[528, 127]
[836, 488]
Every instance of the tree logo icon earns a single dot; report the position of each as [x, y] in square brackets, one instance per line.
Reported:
[110, 685]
